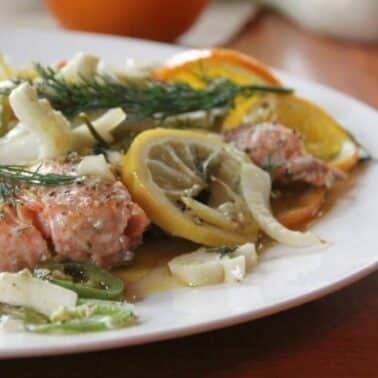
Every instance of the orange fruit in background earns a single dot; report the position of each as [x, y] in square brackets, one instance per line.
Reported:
[162, 20]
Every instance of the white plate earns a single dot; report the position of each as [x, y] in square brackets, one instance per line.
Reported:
[284, 278]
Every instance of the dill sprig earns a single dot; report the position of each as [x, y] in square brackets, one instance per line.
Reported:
[18, 174]
[149, 99]
[7, 191]
[100, 141]
[223, 251]
[13, 175]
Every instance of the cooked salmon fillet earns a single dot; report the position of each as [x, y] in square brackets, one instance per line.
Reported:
[22, 244]
[93, 220]
[280, 151]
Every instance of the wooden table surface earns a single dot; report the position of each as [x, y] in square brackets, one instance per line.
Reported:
[348, 66]
[333, 337]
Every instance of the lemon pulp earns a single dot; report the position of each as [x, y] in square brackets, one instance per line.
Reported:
[188, 184]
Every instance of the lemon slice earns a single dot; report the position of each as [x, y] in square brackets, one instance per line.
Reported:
[188, 184]
[256, 187]
[323, 137]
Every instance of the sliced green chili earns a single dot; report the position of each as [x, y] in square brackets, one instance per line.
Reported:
[87, 280]
[26, 314]
[89, 316]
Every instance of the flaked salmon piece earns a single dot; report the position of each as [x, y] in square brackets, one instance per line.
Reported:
[89, 221]
[280, 151]
[92, 220]
[22, 245]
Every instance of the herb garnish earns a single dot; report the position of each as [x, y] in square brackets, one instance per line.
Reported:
[149, 99]
[223, 251]
[101, 146]
[6, 115]
[13, 175]
[269, 166]
[7, 191]
[18, 174]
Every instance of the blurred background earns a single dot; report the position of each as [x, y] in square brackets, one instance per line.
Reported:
[204, 21]
[333, 41]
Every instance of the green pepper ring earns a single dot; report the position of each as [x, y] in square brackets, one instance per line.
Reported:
[103, 284]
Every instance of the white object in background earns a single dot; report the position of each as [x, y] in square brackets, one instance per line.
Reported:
[349, 19]
[25, 13]
[221, 21]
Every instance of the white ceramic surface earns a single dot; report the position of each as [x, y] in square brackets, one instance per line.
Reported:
[284, 278]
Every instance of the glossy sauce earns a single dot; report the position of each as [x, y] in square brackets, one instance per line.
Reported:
[149, 271]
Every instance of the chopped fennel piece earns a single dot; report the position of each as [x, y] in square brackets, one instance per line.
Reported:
[11, 325]
[5, 84]
[103, 125]
[135, 69]
[89, 316]
[17, 146]
[248, 250]
[95, 165]
[107, 70]
[256, 186]
[238, 261]
[22, 289]
[113, 156]
[23, 314]
[204, 267]
[197, 268]
[6, 70]
[9, 72]
[129, 70]
[234, 268]
[81, 67]
[50, 126]
[199, 119]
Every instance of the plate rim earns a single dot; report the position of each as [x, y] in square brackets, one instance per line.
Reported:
[186, 331]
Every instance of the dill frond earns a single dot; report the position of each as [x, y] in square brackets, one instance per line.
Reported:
[7, 191]
[160, 104]
[223, 251]
[100, 141]
[18, 174]
[149, 99]
[11, 176]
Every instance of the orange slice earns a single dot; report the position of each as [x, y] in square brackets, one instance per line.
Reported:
[323, 137]
[295, 210]
[196, 67]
